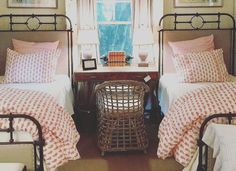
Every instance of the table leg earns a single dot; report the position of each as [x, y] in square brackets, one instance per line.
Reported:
[154, 117]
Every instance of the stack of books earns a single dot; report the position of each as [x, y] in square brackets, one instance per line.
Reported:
[116, 58]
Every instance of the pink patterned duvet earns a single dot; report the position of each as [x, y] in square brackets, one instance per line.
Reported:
[58, 127]
[179, 129]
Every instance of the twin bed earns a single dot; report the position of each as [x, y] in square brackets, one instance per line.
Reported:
[49, 102]
[185, 102]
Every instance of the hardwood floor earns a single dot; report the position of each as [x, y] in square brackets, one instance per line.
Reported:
[91, 159]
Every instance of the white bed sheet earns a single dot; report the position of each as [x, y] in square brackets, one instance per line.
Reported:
[170, 89]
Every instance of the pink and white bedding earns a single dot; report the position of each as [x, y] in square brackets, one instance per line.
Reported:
[205, 66]
[26, 47]
[37, 67]
[170, 89]
[201, 44]
[179, 129]
[58, 127]
[60, 89]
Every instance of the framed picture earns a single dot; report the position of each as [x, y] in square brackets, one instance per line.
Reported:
[198, 3]
[89, 64]
[32, 4]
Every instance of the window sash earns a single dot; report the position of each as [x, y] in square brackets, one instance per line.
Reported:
[115, 23]
[116, 1]
[114, 11]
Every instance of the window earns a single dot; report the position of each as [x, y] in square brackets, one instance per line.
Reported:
[114, 26]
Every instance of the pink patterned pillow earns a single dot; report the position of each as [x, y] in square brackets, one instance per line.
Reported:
[32, 47]
[206, 66]
[200, 44]
[31, 68]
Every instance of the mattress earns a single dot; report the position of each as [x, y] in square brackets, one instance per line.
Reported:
[170, 89]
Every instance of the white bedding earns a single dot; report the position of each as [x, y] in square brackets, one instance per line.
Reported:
[169, 89]
[219, 138]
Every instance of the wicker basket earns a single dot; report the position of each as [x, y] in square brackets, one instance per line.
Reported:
[120, 116]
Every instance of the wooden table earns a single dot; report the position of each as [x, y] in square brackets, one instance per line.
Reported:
[149, 75]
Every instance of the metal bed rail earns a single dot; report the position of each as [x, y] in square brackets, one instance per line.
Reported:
[38, 144]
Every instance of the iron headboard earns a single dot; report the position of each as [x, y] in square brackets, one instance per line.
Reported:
[41, 23]
[196, 22]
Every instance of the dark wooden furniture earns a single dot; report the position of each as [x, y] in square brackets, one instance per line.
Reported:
[106, 73]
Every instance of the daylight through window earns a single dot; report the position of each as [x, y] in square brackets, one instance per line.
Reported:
[114, 26]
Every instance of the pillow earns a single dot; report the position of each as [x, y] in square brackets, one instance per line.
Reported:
[32, 47]
[31, 68]
[196, 45]
[206, 66]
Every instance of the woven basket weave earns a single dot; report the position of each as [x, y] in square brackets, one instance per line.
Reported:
[120, 107]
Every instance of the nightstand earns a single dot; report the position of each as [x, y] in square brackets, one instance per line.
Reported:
[149, 75]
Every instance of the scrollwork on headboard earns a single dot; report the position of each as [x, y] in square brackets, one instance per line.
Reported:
[35, 22]
[197, 22]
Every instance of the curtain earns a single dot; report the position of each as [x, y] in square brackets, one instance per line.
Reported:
[71, 12]
[141, 27]
[87, 14]
[146, 15]
[145, 20]
[141, 13]
[87, 25]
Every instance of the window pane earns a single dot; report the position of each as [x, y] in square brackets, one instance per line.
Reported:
[123, 12]
[115, 38]
[104, 12]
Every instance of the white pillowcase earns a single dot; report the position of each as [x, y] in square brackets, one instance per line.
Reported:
[31, 68]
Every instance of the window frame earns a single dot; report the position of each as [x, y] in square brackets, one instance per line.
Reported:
[118, 22]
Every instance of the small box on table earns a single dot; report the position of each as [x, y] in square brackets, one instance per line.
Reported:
[116, 58]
